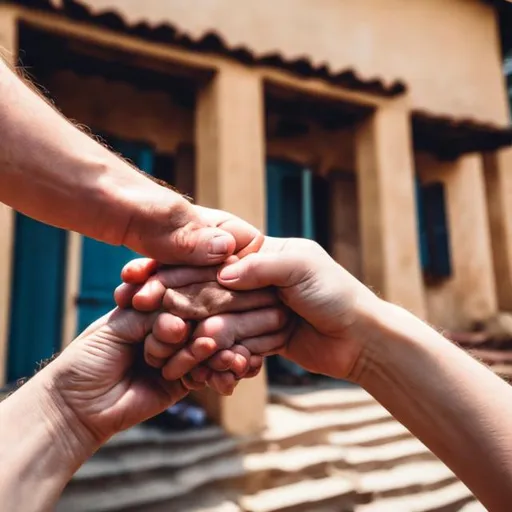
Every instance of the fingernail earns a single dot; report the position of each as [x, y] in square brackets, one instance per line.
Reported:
[229, 273]
[219, 245]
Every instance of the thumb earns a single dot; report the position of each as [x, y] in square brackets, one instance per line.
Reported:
[198, 245]
[261, 270]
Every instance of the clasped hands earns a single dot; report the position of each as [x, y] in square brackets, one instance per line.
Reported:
[204, 334]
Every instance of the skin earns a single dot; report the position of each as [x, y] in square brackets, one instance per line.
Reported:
[97, 387]
[456, 406]
[54, 172]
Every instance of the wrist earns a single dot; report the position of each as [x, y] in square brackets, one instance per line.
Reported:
[41, 446]
[394, 339]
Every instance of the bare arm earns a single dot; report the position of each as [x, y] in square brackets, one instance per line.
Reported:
[54, 172]
[460, 409]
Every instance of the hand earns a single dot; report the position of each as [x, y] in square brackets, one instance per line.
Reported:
[334, 308]
[192, 293]
[102, 381]
[169, 229]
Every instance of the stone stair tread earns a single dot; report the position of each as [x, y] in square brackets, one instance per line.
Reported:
[284, 422]
[137, 490]
[297, 495]
[386, 452]
[149, 435]
[405, 475]
[293, 459]
[150, 458]
[369, 435]
[430, 501]
[324, 399]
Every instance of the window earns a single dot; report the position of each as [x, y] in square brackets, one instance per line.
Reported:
[433, 230]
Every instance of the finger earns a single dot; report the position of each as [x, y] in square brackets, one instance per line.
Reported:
[156, 353]
[255, 367]
[236, 359]
[267, 345]
[190, 356]
[264, 269]
[170, 329]
[229, 328]
[191, 384]
[124, 293]
[247, 237]
[201, 374]
[139, 270]
[223, 383]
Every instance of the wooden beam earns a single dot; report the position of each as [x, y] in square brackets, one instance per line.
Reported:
[9, 52]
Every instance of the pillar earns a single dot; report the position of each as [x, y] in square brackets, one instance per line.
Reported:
[8, 52]
[498, 182]
[230, 175]
[384, 163]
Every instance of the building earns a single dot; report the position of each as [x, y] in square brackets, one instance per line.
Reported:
[379, 128]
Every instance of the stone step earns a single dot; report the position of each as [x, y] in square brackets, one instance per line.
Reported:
[448, 499]
[372, 435]
[314, 400]
[302, 496]
[150, 487]
[388, 455]
[145, 436]
[405, 479]
[288, 427]
[142, 458]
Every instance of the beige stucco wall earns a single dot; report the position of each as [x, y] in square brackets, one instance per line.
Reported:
[469, 295]
[446, 51]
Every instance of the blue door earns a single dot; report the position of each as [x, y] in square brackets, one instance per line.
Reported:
[289, 200]
[102, 263]
[37, 292]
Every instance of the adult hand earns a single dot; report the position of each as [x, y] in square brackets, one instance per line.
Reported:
[226, 317]
[169, 229]
[332, 306]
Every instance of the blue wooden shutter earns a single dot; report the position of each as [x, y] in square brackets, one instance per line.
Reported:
[437, 229]
[421, 226]
[102, 263]
[36, 295]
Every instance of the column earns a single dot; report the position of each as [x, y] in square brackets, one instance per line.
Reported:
[470, 241]
[9, 52]
[389, 237]
[230, 175]
[498, 183]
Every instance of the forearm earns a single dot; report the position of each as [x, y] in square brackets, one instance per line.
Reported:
[455, 405]
[52, 171]
[39, 448]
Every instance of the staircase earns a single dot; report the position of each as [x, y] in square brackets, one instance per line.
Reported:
[325, 450]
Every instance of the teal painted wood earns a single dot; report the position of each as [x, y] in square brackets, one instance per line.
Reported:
[421, 225]
[102, 263]
[289, 200]
[36, 295]
[438, 232]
